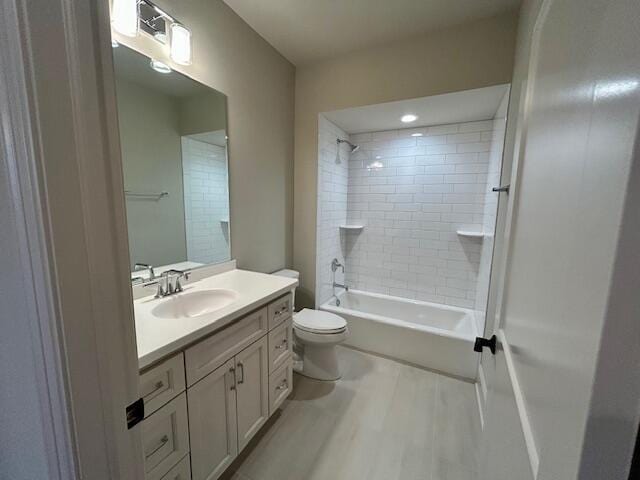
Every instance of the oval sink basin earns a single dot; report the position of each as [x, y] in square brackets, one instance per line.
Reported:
[194, 304]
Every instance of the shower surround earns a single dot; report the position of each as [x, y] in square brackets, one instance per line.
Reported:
[412, 190]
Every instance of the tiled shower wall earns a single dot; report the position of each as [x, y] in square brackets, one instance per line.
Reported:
[206, 201]
[412, 193]
[490, 211]
[333, 164]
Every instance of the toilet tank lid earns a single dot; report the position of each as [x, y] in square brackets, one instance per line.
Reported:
[287, 273]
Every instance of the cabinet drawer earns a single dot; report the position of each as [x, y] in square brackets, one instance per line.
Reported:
[280, 344]
[207, 355]
[161, 383]
[280, 385]
[181, 471]
[280, 310]
[165, 438]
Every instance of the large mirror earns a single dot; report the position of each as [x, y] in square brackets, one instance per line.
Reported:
[173, 133]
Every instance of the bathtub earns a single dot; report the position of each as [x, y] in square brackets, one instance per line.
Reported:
[431, 335]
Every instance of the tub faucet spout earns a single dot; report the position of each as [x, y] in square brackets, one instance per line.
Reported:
[339, 285]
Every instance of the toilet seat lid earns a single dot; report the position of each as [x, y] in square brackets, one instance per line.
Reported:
[319, 322]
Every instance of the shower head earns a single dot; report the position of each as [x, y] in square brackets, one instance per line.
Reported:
[354, 148]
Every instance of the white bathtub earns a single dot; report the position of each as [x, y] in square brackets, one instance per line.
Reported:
[431, 335]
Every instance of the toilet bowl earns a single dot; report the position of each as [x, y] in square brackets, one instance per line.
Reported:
[316, 335]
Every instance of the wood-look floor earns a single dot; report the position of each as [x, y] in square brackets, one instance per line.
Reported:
[382, 421]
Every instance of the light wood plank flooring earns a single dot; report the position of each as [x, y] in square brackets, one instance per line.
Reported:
[382, 421]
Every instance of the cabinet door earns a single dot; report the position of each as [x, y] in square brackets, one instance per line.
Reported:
[165, 438]
[252, 377]
[212, 423]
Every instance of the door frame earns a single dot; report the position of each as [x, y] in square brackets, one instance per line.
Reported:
[65, 218]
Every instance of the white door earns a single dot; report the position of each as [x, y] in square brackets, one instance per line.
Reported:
[578, 130]
[212, 423]
[252, 377]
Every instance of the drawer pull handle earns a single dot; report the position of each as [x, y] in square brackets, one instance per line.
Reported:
[282, 345]
[282, 310]
[156, 387]
[282, 386]
[233, 372]
[241, 367]
[162, 443]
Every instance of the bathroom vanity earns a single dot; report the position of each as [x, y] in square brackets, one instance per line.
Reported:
[211, 379]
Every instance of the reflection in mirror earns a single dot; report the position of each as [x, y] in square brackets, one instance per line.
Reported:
[173, 134]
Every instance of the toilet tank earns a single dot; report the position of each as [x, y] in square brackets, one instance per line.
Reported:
[289, 274]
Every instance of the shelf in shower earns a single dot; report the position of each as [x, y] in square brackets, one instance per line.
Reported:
[471, 233]
[352, 228]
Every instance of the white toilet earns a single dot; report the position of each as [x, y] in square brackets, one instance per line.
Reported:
[316, 335]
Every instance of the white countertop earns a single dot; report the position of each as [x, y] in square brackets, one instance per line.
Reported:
[160, 337]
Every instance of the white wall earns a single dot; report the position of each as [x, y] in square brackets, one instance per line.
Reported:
[333, 172]
[206, 201]
[150, 141]
[426, 188]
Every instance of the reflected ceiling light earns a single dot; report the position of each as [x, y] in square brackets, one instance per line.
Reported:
[375, 165]
[180, 44]
[408, 118]
[160, 67]
[124, 17]
[616, 88]
[114, 43]
[416, 134]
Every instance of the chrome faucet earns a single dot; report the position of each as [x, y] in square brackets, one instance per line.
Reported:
[169, 282]
[143, 266]
[335, 264]
[339, 285]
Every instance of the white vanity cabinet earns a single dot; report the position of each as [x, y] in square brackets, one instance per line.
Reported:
[252, 390]
[226, 408]
[213, 422]
[234, 380]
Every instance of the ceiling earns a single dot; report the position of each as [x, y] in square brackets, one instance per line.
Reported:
[308, 30]
[456, 107]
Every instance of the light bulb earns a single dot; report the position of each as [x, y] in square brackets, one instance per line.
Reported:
[124, 17]
[160, 67]
[180, 44]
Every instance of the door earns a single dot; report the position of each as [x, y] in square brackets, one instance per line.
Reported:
[578, 125]
[252, 377]
[212, 423]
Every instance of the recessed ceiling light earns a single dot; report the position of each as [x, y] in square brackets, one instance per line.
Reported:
[408, 118]
[416, 134]
[160, 67]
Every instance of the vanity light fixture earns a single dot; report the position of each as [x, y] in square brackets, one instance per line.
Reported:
[128, 17]
[408, 118]
[160, 67]
[124, 17]
[180, 44]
